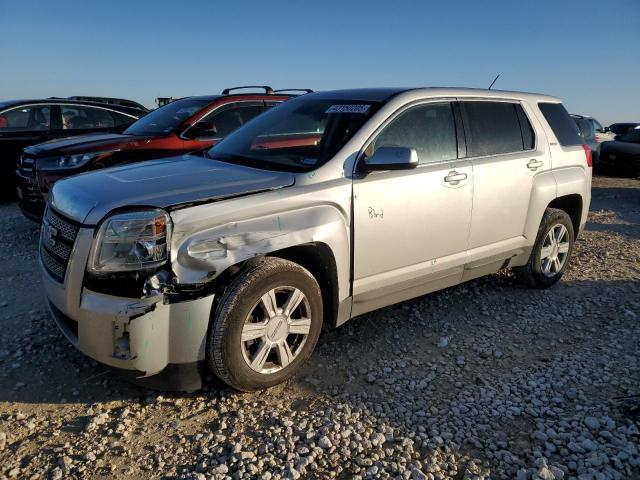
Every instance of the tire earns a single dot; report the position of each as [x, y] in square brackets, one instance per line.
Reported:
[533, 274]
[242, 304]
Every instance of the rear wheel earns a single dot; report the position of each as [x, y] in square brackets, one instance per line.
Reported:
[265, 325]
[551, 252]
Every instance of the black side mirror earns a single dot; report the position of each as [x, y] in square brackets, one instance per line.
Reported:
[392, 158]
[201, 130]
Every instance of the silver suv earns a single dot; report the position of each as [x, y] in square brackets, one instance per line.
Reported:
[324, 208]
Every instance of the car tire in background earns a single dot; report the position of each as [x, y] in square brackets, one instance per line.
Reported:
[265, 325]
[551, 252]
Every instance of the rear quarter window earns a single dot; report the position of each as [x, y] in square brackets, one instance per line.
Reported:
[563, 126]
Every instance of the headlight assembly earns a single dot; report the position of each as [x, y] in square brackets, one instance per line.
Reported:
[131, 241]
[73, 161]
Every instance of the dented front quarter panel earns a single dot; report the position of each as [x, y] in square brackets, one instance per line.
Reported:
[208, 239]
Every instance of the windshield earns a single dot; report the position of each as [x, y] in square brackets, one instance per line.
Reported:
[297, 136]
[632, 136]
[164, 120]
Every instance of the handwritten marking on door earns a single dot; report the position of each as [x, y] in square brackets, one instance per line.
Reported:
[373, 214]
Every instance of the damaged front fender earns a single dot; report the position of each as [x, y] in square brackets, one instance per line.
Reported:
[200, 256]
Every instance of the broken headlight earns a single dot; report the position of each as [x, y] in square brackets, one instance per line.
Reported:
[131, 241]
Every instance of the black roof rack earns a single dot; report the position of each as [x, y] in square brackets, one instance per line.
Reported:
[305, 90]
[267, 89]
[109, 100]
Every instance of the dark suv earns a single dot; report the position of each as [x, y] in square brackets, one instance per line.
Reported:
[27, 122]
[184, 125]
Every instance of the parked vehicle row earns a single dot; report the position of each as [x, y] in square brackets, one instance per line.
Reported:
[617, 143]
[328, 206]
[622, 156]
[30, 122]
[600, 133]
[184, 125]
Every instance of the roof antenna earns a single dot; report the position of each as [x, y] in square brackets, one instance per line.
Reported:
[494, 81]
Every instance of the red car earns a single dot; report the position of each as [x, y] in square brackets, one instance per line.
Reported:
[185, 125]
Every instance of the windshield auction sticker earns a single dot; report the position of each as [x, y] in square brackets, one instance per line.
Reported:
[348, 109]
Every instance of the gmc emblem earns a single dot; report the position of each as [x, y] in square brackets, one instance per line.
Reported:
[49, 232]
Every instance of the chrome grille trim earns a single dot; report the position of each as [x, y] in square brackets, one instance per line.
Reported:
[68, 231]
[57, 237]
[55, 268]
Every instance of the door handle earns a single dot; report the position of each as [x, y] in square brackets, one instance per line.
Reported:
[455, 178]
[534, 164]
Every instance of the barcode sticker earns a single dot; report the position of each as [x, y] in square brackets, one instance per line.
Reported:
[348, 109]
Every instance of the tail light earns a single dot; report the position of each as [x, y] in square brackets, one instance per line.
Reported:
[587, 152]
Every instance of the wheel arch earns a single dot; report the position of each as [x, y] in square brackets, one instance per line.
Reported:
[318, 258]
[572, 205]
[566, 190]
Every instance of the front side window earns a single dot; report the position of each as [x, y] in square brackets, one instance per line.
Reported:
[165, 120]
[493, 128]
[230, 119]
[81, 117]
[430, 129]
[298, 136]
[26, 119]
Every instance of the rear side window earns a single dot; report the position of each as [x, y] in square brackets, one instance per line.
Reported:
[81, 117]
[586, 128]
[528, 137]
[495, 127]
[596, 125]
[563, 126]
[228, 120]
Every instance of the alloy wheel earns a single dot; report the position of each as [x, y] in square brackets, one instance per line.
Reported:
[276, 329]
[555, 250]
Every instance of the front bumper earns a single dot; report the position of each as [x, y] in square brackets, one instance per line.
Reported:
[143, 336]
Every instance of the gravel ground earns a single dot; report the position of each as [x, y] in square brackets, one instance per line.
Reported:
[485, 380]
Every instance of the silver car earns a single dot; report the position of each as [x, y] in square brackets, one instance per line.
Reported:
[319, 210]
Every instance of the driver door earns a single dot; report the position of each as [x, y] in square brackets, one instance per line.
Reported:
[411, 227]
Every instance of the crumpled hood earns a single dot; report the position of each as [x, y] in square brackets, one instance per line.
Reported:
[87, 198]
[83, 143]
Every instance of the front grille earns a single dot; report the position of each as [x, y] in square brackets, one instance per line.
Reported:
[31, 193]
[57, 237]
[55, 267]
[29, 185]
[27, 166]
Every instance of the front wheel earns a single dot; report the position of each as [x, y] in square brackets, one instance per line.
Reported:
[265, 325]
[551, 252]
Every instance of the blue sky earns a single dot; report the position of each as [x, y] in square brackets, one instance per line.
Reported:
[586, 52]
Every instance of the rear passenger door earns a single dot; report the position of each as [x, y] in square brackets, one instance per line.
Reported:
[506, 157]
